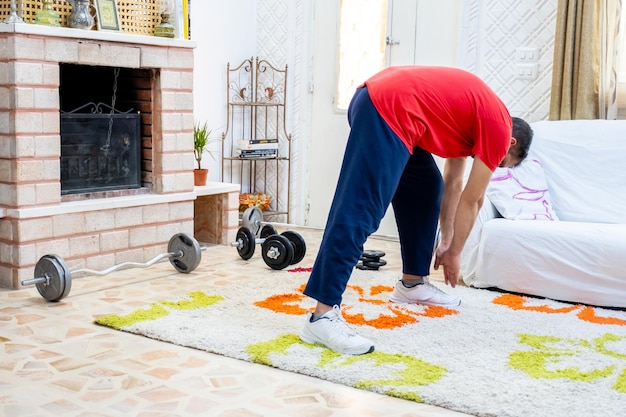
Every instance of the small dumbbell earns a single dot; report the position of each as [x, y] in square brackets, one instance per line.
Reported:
[370, 260]
[246, 241]
[280, 251]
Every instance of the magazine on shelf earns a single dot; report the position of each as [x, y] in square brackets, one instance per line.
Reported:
[264, 140]
[258, 153]
[256, 145]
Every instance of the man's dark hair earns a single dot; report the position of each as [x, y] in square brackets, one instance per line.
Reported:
[523, 133]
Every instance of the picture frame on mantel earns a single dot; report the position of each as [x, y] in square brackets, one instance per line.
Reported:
[107, 17]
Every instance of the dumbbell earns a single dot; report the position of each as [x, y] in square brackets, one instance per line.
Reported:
[246, 241]
[370, 260]
[278, 251]
[53, 278]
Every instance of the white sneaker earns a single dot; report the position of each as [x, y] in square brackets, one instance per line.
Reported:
[333, 332]
[426, 294]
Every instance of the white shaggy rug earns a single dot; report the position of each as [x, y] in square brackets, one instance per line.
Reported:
[495, 355]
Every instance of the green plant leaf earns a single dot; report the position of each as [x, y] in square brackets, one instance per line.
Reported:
[201, 140]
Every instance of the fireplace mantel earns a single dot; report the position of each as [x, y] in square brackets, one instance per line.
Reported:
[62, 32]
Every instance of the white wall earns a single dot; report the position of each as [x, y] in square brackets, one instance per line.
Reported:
[492, 31]
[224, 31]
[482, 38]
[284, 37]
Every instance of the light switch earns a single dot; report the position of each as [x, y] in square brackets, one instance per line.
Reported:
[526, 71]
[527, 54]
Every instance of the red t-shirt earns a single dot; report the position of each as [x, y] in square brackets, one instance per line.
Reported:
[445, 111]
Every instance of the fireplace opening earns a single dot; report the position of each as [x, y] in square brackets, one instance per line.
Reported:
[99, 151]
[106, 139]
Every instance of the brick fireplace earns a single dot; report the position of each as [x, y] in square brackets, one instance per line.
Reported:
[97, 229]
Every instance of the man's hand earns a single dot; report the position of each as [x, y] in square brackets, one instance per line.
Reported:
[451, 265]
[453, 238]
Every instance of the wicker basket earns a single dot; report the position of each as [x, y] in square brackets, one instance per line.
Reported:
[138, 17]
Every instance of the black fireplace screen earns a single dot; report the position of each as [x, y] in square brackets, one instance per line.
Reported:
[100, 152]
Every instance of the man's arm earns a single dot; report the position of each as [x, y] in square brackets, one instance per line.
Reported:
[453, 171]
[470, 201]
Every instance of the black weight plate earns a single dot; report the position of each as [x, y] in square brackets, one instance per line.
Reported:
[59, 277]
[372, 254]
[366, 268]
[277, 252]
[247, 243]
[299, 245]
[267, 231]
[374, 264]
[190, 249]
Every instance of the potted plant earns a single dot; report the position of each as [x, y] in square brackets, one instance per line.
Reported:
[201, 141]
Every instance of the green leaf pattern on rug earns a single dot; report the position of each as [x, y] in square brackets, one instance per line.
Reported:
[550, 354]
[198, 299]
[409, 371]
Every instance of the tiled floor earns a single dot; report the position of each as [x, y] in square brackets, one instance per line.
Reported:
[55, 362]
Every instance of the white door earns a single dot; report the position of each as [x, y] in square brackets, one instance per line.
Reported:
[401, 39]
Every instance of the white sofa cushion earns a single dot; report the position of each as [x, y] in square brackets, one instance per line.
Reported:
[521, 193]
[583, 162]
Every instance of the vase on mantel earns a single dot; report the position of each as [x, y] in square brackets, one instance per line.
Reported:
[80, 17]
[47, 16]
[14, 17]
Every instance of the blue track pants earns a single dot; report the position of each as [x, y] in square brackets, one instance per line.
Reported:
[377, 170]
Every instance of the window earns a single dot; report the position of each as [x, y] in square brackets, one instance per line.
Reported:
[362, 29]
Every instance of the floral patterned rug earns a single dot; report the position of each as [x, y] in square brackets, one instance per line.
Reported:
[497, 354]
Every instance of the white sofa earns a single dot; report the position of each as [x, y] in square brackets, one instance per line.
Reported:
[577, 256]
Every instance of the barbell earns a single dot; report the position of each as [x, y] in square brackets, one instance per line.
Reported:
[53, 278]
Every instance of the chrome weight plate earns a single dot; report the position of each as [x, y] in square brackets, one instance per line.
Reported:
[187, 250]
[251, 219]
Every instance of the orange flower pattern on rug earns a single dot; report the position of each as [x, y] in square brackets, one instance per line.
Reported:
[390, 315]
[585, 313]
